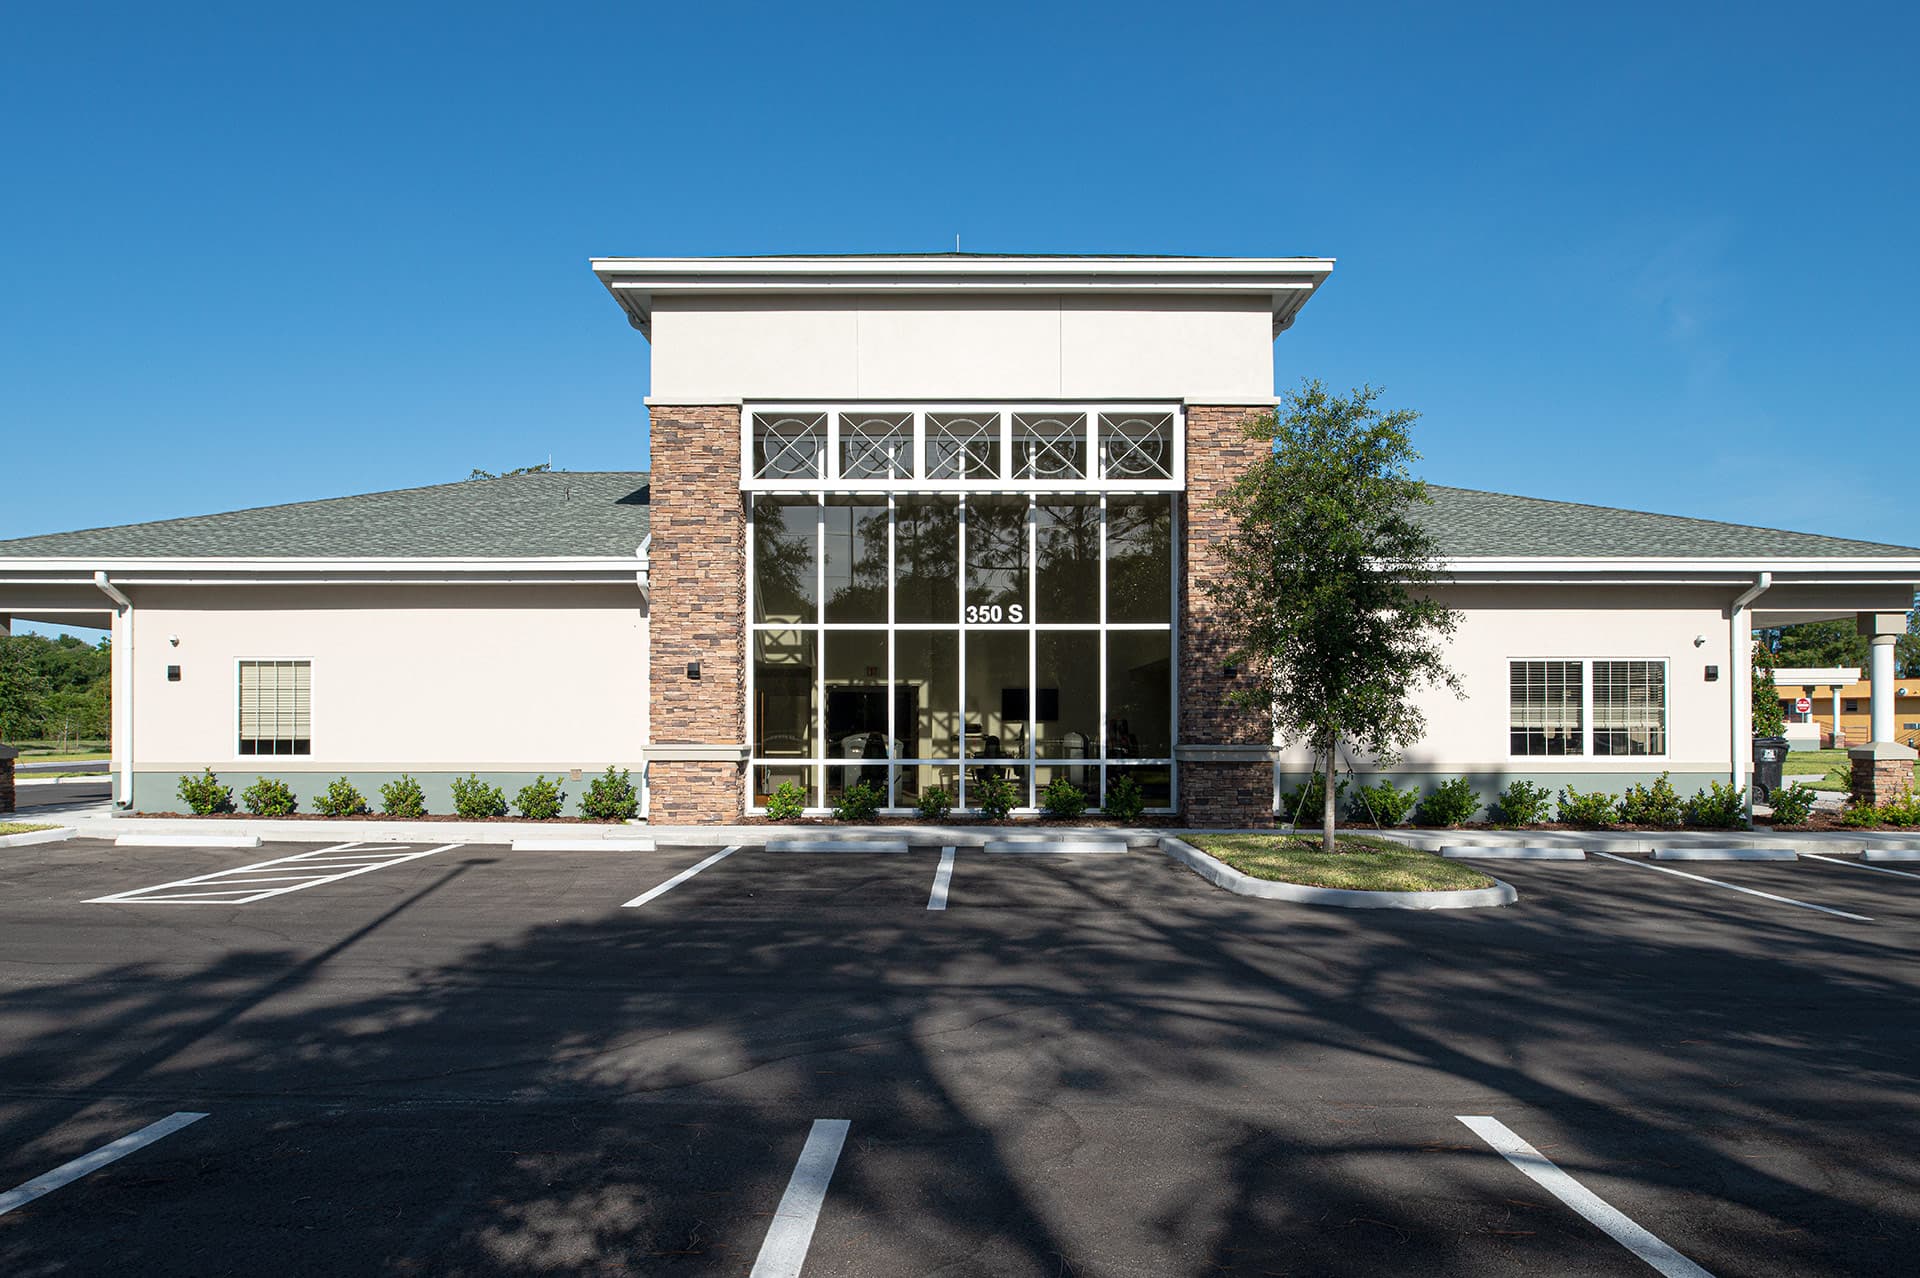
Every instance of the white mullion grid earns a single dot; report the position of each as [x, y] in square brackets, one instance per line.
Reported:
[960, 617]
[1100, 798]
[1587, 737]
[819, 725]
[830, 464]
[1176, 540]
[919, 432]
[1008, 467]
[893, 736]
[753, 644]
[1033, 646]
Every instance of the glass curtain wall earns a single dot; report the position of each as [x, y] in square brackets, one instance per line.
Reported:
[921, 640]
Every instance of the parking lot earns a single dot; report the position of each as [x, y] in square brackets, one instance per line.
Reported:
[426, 1058]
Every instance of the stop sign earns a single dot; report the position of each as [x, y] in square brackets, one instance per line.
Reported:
[1803, 706]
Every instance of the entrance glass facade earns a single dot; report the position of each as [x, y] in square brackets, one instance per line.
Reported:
[947, 630]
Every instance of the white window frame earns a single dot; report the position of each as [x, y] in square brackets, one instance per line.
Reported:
[1587, 755]
[1094, 482]
[313, 709]
[1034, 491]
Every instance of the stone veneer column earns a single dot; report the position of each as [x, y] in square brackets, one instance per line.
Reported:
[1226, 774]
[697, 613]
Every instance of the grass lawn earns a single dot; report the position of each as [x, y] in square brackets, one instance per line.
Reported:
[1362, 862]
[1821, 769]
[83, 756]
[22, 827]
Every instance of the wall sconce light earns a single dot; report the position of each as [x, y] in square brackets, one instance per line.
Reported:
[693, 670]
[1699, 641]
[173, 674]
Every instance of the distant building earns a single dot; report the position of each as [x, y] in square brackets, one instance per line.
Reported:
[1823, 724]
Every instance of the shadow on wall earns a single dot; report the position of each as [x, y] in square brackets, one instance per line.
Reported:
[627, 1094]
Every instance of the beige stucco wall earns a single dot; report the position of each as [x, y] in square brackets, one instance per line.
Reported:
[1199, 349]
[1505, 623]
[420, 678]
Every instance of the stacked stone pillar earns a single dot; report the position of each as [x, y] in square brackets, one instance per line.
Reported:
[1225, 753]
[698, 616]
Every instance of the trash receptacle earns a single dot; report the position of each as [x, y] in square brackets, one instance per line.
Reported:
[1769, 762]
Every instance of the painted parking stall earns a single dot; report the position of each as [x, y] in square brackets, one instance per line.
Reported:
[245, 884]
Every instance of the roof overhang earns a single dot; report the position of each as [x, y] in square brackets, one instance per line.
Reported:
[1285, 282]
[19, 573]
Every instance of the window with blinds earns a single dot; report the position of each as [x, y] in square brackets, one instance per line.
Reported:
[1629, 707]
[276, 707]
[1547, 716]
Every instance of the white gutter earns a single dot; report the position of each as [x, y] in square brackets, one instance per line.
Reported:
[1740, 677]
[645, 575]
[120, 683]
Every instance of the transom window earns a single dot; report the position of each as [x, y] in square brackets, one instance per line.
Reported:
[963, 447]
[1603, 708]
[276, 707]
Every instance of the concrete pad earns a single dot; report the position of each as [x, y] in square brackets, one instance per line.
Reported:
[1891, 854]
[187, 841]
[1725, 854]
[609, 843]
[1058, 847]
[837, 845]
[1484, 852]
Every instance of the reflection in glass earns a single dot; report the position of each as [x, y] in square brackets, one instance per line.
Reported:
[927, 677]
[1066, 552]
[856, 711]
[789, 446]
[784, 542]
[996, 556]
[915, 779]
[1050, 445]
[926, 547]
[856, 565]
[996, 694]
[1139, 694]
[1140, 558]
[1155, 781]
[1066, 707]
[963, 445]
[770, 778]
[783, 688]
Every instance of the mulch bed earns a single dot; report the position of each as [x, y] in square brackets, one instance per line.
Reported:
[364, 816]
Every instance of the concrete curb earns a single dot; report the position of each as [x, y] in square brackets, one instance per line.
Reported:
[1225, 876]
[837, 845]
[1482, 852]
[268, 830]
[610, 843]
[1725, 854]
[187, 841]
[32, 837]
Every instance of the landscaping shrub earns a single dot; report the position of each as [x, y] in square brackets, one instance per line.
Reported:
[540, 799]
[994, 798]
[1595, 809]
[1653, 805]
[1719, 807]
[1793, 804]
[475, 800]
[1522, 803]
[1384, 804]
[1903, 811]
[1063, 799]
[611, 797]
[340, 800]
[1451, 803]
[269, 798]
[787, 802]
[204, 795]
[1860, 815]
[1125, 800]
[1307, 802]
[402, 798]
[858, 802]
[935, 804]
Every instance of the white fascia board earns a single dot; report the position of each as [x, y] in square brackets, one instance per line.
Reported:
[1806, 571]
[172, 571]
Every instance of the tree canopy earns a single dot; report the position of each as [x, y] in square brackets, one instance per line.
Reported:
[1837, 643]
[1325, 582]
[53, 687]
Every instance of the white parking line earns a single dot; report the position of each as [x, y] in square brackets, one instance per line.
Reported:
[791, 1233]
[1536, 1167]
[67, 1173]
[1784, 900]
[937, 900]
[241, 884]
[680, 878]
[1857, 865]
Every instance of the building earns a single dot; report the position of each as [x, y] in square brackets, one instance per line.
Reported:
[919, 521]
[1838, 702]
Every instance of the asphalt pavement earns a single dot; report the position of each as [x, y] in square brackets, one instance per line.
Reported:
[458, 1060]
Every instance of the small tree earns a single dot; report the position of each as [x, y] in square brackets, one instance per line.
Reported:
[1324, 580]
[1769, 719]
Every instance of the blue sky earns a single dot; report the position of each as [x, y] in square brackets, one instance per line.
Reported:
[1652, 256]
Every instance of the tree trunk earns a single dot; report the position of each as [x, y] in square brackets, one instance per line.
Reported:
[1326, 808]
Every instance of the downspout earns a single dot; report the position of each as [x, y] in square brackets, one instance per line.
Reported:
[122, 688]
[645, 579]
[1740, 677]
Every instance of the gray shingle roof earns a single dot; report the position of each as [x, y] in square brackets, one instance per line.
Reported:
[605, 514]
[549, 515]
[1468, 522]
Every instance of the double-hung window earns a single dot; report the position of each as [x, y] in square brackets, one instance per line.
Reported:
[276, 707]
[1598, 708]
